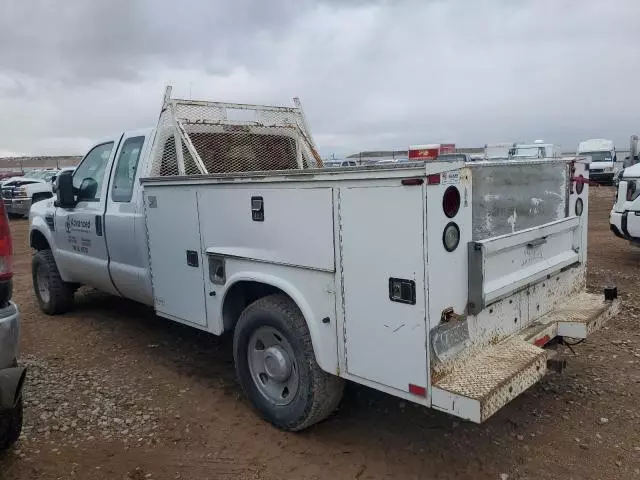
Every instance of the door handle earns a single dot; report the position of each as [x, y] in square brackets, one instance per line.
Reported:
[99, 225]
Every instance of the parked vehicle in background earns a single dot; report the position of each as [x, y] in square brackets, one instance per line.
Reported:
[339, 163]
[19, 193]
[454, 157]
[602, 159]
[537, 149]
[6, 175]
[495, 151]
[11, 375]
[624, 219]
[297, 263]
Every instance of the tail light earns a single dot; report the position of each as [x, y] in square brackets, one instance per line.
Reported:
[451, 201]
[6, 247]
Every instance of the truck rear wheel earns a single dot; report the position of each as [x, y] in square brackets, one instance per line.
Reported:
[277, 368]
[54, 295]
[10, 425]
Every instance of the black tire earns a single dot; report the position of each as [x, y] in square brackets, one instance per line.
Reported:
[14, 216]
[10, 425]
[60, 292]
[319, 392]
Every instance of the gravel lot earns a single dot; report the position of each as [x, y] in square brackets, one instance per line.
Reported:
[115, 393]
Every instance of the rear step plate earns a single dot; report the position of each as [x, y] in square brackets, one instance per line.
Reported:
[483, 384]
[477, 388]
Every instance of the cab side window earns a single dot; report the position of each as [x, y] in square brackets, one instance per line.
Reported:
[126, 168]
[89, 176]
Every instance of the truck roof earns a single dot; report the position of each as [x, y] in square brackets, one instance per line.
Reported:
[595, 145]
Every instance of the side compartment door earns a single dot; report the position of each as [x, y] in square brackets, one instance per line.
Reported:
[382, 250]
[82, 249]
[177, 262]
[124, 225]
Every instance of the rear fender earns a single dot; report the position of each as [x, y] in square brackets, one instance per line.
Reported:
[323, 337]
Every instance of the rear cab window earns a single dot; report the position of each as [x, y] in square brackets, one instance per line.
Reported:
[126, 168]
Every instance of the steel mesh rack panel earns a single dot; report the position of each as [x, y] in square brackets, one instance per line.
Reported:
[196, 137]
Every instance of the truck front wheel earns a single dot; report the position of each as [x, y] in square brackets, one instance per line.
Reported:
[54, 295]
[277, 368]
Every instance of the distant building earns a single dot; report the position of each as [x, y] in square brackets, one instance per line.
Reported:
[22, 163]
[378, 155]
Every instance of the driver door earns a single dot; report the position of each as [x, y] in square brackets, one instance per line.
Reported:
[82, 250]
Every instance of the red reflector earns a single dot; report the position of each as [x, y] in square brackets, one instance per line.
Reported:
[433, 179]
[417, 390]
[451, 201]
[542, 341]
[412, 181]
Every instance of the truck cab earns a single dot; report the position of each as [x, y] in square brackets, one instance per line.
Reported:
[601, 155]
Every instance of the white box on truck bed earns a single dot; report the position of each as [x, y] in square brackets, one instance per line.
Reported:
[342, 244]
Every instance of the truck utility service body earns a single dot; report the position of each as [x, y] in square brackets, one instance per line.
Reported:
[423, 280]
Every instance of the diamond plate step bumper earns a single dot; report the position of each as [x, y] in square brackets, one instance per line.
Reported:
[478, 387]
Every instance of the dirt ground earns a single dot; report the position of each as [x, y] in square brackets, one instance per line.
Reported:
[115, 393]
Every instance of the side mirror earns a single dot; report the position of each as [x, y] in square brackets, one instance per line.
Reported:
[64, 190]
[88, 189]
[54, 183]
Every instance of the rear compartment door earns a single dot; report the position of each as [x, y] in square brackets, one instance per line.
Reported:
[383, 271]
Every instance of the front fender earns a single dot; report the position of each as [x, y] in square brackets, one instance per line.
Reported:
[323, 335]
[39, 226]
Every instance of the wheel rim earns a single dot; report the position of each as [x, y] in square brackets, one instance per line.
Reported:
[43, 284]
[273, 365]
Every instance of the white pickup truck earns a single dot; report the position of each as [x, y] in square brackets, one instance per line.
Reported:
[442, 283]
[19, 193]
[624, 219]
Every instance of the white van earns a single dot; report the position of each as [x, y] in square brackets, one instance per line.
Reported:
[602, 165]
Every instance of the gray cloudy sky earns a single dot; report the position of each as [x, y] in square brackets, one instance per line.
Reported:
[371, 74]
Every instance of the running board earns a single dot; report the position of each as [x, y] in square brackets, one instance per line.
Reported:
[480, 385]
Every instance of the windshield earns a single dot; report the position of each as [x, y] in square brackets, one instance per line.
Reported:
[598, 156]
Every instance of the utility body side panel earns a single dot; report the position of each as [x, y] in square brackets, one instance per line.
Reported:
[292, 226]
[382, 241]
[176, 256]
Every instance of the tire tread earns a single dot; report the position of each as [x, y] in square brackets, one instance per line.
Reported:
[60, 292]
[326, 390]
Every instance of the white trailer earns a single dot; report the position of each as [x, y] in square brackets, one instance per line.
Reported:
[441, 283]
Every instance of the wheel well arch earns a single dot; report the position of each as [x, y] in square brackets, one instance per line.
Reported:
[240, 295]
[38, 241]
[247, 287]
